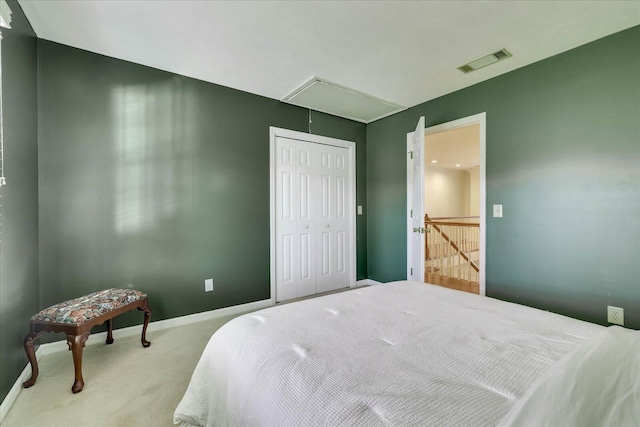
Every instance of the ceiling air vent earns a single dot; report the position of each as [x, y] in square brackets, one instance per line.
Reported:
[502, 54]
[485, 60]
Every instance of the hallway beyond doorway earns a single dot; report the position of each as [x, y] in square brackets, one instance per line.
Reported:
[452, 283]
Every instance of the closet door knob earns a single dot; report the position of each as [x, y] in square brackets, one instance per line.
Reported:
[327, 226]
[305, 226]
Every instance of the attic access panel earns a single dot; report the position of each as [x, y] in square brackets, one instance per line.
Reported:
[326, 97]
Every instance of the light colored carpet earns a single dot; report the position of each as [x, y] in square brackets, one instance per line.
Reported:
[125, 384]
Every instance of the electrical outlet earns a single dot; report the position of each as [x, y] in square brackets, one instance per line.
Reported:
[615, 315]
[208, 285]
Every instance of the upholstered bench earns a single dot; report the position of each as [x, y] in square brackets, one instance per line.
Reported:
[76, 317]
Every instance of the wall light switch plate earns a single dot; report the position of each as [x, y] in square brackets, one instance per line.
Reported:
[497, 211]
[208, 285]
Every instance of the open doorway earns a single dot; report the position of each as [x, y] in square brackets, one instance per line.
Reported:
[452, 207]
[461, 247]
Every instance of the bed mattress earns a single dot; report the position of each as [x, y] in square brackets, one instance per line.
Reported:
[402, 353]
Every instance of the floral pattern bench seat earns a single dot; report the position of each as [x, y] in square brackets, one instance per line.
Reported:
[76, 317]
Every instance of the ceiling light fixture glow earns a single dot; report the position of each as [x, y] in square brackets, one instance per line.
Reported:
[434, 161]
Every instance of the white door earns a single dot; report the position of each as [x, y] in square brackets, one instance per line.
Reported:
[295, 242]
[313, 218]
[333, 220]
[415, 222]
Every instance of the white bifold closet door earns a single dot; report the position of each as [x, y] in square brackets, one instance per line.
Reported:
[312, 224]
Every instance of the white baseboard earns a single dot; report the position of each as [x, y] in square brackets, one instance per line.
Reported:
[367, 282]
[17, 387]
[57, 346]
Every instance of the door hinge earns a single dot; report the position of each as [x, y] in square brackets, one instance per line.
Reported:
[411, 213]
[411, 154]
[412, 271]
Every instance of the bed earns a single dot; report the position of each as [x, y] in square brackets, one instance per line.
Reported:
[410, 354]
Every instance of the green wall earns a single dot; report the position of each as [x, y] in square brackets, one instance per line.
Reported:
[157, 181]
[123, 175]
[19, 251]
[563, 157]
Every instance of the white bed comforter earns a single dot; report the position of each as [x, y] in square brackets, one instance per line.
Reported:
[402, 353]
[597, 384]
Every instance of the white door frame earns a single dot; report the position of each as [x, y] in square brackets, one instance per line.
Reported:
[480, 119]
[275, 132]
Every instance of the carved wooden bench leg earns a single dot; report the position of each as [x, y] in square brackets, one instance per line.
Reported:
[147, 316]
[76, 344]
[31, 355]
[110, 331]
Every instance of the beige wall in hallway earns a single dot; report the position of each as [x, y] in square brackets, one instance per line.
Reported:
[474, 192]
[452, 192]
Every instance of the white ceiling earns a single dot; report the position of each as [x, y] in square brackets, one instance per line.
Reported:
[460, 146]
[405, 52]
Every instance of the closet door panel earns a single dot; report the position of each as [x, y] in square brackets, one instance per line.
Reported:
[306, 169]
[340, 219]
[287, 212]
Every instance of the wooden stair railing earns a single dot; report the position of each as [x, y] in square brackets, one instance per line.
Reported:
[437, 224]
